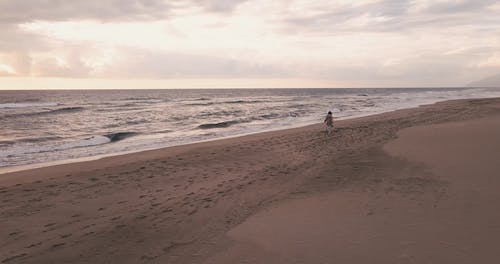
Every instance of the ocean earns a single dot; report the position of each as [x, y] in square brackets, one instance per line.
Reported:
[40, 127]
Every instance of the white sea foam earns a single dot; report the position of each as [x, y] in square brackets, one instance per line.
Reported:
[26, 105]
[53, 146]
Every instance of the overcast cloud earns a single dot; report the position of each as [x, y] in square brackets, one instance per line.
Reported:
[358, 43]
[103, 10]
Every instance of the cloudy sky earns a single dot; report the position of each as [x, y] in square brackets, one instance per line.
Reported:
[247, 43]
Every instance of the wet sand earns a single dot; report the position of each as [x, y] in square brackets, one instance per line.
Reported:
[410, 186]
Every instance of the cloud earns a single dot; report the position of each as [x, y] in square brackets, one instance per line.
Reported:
[219, 6]
[460, 6]
[135, 63]
[417, 70]
[104, 10]
[15, 63]
[7, 70]
[377, 41]
[392, 16]
[157, 65]
[71, 67]
[14, 39]
[490, 81]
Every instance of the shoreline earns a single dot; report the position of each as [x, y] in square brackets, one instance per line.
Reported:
[19, 168]
[34, 166]
[247, 198]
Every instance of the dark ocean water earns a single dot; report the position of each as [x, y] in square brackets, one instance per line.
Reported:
[45, 126]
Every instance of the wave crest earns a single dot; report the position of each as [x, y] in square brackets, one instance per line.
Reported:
[218, 125]
[120, 136]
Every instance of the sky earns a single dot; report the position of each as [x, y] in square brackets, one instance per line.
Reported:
[53, 44]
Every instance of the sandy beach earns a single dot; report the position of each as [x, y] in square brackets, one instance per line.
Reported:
[411, 186]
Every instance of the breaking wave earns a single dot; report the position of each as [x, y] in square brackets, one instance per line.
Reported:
[120, 136]
[226, 102]
[219, 125]
[48, 112]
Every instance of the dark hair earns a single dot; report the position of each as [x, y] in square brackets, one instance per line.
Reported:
[329, 112]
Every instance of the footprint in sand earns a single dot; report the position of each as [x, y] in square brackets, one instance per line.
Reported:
[140, 217]
[14, 233]
[89, 233]
[192, 211]
[14, 257]
[50, 224]
[66, 235]
[88, 226]
[34, 245]
[57, 245]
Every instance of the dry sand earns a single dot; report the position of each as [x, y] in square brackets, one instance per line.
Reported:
[411, 186]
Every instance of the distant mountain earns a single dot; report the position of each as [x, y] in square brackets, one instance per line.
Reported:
[492, 81]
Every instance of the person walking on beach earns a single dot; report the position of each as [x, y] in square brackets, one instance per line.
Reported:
[329, 123]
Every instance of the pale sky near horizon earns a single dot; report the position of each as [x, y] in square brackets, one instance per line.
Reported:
[247, 43]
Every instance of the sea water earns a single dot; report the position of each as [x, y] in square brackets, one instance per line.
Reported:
[46, 126]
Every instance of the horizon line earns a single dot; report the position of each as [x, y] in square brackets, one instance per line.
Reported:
[248, 88]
